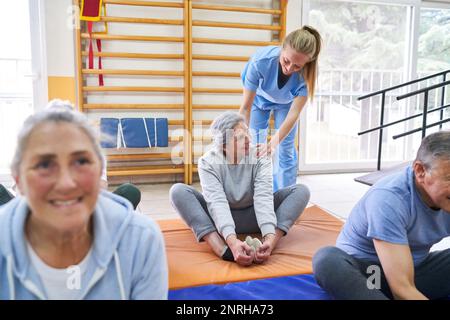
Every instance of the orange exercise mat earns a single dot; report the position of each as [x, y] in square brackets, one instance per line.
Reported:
[194, 264]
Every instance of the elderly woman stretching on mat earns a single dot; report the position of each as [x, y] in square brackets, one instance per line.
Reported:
[237, 196]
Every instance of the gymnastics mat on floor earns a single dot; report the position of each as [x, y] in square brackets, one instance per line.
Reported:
[299, 287]
[193, 264]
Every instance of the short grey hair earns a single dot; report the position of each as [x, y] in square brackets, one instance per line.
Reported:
[224, 125]
[435, 146]
[56, 111]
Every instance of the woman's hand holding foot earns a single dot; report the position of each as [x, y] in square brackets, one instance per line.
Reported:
[263, 252]
[243, 254]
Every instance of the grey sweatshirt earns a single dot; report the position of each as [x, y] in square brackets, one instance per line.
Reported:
[237, 186]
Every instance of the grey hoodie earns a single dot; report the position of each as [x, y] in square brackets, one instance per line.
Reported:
[128, 259]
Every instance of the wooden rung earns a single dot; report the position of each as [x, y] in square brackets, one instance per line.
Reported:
[195, 122]
[131, 106]
[208, 122]
[131, 55]
[219, 58]
[147, 170]
[175, 122]
[196, 138]
[134, 72]
[235, 42]
[215, 107]
[202, 23]
[147, 156]
[216, 74]
[153, 166]
[134, 89]
[141, 20]
[141, 156]
[145, 3]
[202, 122]
[131, 38]
[238, 9]
[215, 90]
[203, 139]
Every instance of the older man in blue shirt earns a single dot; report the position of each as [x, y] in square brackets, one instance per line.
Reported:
[383, 250]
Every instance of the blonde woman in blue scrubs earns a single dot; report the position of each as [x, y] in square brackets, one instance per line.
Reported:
[280, 80]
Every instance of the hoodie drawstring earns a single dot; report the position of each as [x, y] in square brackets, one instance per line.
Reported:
[9, 271]
[119, 276]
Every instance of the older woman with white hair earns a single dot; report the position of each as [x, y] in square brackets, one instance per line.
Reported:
[64, 238]
[237, 196]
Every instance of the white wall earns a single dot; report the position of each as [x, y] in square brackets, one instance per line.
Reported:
[59, 37]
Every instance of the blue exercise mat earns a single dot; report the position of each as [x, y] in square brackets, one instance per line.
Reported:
[109, 128]
[158, 131]
[299, 287]
[134, 133]
[145, 132]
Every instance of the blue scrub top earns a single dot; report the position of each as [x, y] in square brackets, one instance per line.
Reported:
[261, 75]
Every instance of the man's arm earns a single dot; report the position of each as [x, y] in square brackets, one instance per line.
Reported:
[398, 267]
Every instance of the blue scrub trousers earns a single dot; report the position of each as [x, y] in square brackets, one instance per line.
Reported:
[285, 160]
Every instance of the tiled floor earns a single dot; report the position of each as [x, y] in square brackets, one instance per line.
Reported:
[335, 193]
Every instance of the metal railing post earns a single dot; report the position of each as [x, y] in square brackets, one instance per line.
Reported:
[380, 136]
[425, 111]
[444, 76]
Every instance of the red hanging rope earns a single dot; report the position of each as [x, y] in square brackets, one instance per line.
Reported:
[99, 49]
[91, 50]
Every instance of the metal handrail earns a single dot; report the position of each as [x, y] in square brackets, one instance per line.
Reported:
[434, 86]
[425, 111]
[401, 120]
[407, 133]
[425, 108]
[404, 84]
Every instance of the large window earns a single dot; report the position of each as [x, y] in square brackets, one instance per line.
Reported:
[433, 56]
[367, 47]
[434, 40]
[16, 90]
[364, 51]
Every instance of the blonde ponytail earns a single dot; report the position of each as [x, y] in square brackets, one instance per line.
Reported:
[306, 40]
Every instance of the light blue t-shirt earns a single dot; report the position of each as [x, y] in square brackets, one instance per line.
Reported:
[393, 211]
[260, 74]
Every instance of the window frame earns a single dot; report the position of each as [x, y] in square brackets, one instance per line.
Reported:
[410, 71]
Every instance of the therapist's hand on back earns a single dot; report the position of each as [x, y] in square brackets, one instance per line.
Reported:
[263, 150]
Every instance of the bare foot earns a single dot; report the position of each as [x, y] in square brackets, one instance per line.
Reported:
[215, 241]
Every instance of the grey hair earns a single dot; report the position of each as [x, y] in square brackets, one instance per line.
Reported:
[435, 146]
[56, 111]
[223, 126]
